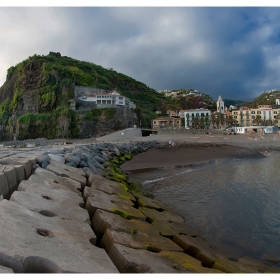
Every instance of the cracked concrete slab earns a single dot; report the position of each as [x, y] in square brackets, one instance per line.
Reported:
[51, 189]
[51, 179]
[129, 260]
[114, 204]
[136, 239]
[34, 243]
[64, 170]
[51, 206]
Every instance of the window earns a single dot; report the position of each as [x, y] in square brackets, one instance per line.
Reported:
[259, 112]
[207, 114]
[235, 113]
[253, 112]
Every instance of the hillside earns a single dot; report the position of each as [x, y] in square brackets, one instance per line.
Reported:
[266, 98]
[34, 97]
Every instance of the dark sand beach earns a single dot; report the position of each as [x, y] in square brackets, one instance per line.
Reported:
[183, 154]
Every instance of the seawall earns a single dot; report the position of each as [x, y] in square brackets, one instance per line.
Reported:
[70, 208]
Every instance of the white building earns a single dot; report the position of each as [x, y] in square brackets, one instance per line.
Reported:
[103, 99]
[195, 113]
[256, 129]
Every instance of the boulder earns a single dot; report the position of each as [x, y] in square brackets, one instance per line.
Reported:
[43, 158]
[71, 158]
[58, 158]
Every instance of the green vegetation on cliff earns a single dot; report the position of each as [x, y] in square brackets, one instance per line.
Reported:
[36, 90]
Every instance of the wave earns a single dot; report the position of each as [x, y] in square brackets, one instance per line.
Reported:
[165, 177]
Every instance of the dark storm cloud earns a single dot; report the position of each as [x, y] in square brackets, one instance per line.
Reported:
[229, 51]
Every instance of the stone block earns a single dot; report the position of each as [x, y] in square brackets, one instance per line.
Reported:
[33, 243]
[198, 248]
[54, 190]
[4, 186]
[144, 201]
[22, 159]
[90, 191]
[64, 170]
[54, 181]
[154, 215]
[129, 260]
[10, 173]
[114, 204]
[51, 206]
[147, 240]
[4, 269]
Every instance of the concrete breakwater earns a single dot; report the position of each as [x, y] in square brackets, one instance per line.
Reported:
[72, 209]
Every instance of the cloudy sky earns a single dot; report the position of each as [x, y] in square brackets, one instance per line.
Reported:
[229, 51]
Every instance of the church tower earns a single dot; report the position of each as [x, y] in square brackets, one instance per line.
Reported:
[220, 105]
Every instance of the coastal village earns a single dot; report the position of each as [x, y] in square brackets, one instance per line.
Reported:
[263, 119]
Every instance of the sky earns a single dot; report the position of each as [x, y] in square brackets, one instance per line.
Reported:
[232, 51]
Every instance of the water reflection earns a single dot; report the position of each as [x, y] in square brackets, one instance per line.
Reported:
[232, 202]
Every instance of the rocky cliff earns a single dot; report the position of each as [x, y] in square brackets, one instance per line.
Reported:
[34, 99]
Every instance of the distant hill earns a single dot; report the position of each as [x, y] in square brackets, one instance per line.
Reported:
[266, 98]
[34, 97]
[237, 103]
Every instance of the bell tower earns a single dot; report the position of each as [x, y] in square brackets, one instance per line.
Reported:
[220, 105]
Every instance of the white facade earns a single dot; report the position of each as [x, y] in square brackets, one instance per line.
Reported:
[277, 101]
[195, 113]
[220, 105]
[257, 129]
[113, 98]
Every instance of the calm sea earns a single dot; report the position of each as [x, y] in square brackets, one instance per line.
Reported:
[234, 204]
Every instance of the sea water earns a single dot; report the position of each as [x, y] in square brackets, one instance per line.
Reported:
[234, 204]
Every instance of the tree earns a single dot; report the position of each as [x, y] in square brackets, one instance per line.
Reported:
[195, 122]
[230, 121]
[258, 120]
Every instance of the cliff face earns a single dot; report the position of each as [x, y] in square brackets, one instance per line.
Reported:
[34, 98]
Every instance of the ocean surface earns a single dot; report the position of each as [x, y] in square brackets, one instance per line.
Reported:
[234, 203]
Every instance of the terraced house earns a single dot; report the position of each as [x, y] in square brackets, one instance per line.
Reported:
[263, 115]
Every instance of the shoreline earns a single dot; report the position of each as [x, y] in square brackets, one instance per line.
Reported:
[187, 155]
